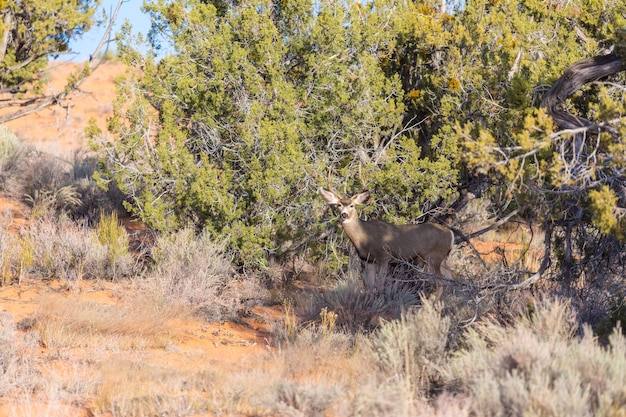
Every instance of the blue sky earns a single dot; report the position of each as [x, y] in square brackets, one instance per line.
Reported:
[87, 44]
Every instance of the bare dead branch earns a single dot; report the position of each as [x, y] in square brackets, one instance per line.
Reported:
[497, 224]
[575, 76]
[6, 36]
[35, 104]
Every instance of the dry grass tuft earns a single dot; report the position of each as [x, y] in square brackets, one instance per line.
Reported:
[69, 250]
[356, 309]
[139, 389]
[192, 272]
[66, 322]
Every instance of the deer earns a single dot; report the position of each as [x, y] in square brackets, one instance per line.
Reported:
[377, 242]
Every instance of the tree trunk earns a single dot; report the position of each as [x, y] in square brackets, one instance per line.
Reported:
[574, 77]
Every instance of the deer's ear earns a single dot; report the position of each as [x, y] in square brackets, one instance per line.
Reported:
[329, 196]
[362, 197]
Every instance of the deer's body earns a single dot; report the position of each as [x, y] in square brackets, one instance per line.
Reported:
[379, 242]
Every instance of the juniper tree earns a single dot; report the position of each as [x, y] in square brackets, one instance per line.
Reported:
[240, 110]
[252, 110]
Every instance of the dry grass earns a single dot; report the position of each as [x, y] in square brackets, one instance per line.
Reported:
[32, 386]
[18, 373]
[193, 272]
[385, 354]
[132, 388]
[64, 321]
[536, 365]
[71, 250]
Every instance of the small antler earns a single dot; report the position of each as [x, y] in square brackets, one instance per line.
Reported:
[363, 185]
[328, 187]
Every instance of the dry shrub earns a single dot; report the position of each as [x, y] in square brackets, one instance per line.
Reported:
[190, 271]
[94, 197]
[60, 248]
[312, 372]
[51, 185]
[70, 250]
[346, 374]
[304, 399]
[18, 369]
[7, 248]
[65, 321]
[341, 373]
[13, 156]
[16, 252]
[357, 309]
[413, 348]
[537, 367]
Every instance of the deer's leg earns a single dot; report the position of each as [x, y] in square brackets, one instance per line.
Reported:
[381, 277]
[369, 276]
[432, 265]
[374, 276]
[445, 269]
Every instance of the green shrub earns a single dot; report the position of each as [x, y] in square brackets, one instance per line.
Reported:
[112, 235]
[290, 95]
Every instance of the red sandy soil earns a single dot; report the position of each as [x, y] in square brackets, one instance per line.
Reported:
[196, 342]
[60, 130]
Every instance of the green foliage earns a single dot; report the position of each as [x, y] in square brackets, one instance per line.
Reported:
[31, 31]
[603, 204]
[257, 103]
[112, 235]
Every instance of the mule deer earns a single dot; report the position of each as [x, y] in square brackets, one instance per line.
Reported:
[378, 242]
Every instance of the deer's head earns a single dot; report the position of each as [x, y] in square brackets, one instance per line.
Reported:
[345, 206]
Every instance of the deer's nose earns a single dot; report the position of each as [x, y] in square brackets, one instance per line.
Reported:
[344, 216]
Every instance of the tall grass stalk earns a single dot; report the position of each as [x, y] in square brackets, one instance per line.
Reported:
[112, 235]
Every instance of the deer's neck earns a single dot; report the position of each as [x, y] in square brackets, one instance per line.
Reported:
[356, 230]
